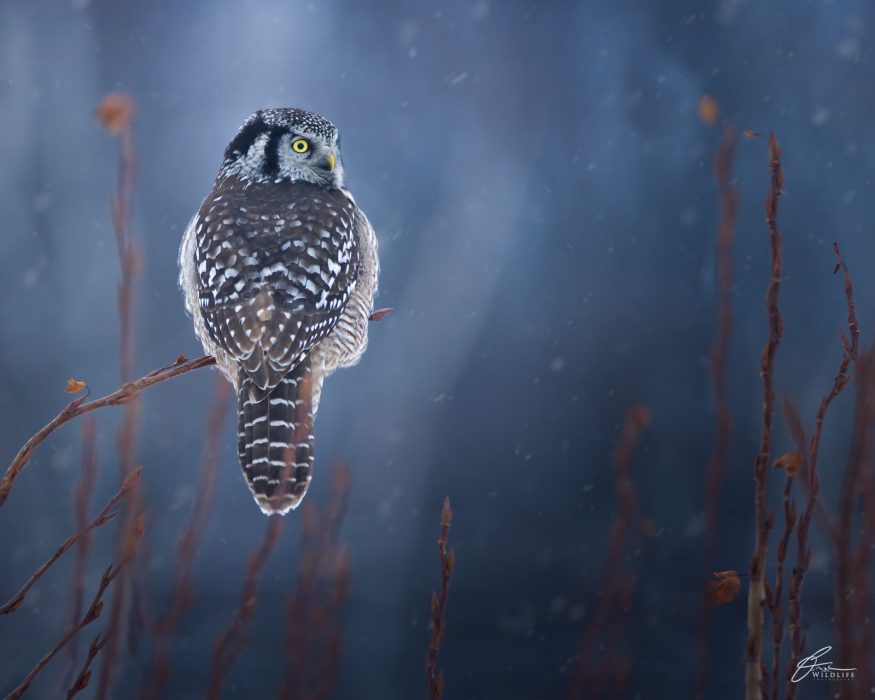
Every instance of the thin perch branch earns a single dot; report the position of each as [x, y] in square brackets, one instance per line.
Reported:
[78, 407]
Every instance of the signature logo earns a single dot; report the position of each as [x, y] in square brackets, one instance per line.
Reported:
[822, 670]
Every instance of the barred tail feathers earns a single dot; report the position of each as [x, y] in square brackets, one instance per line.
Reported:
[275, 439]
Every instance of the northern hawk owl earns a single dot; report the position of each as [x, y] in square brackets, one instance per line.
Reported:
[279, 270]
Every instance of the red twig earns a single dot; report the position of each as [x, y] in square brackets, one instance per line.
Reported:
[116, 114]
[729, 205]
[313, 629]
[231, 642]
[756, 685]
[78, 407]
[435, 678]
[614, 663]
[103, 517]
[636, 420]
[774, 599]
[851, 594]
[94, 610]
[865, 636]
[81, 505]
[84, 677]
[183, 590]
[812, 481]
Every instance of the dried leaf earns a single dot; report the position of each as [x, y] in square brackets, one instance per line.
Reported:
[74, 386]
[792, 463]
[725, 588]
[640, 414]
[708, 110]
[750, 133]
[116, 112]
[380, 313]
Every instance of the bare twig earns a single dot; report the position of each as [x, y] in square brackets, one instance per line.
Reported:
[79, 406]
[755, 681]
[116, 114]
[851, 600]
[313, 629]
[128, 547]
[231, 642]
[81, 505]
[109, 575]
[435, 678]
[774, 599]
[637, 419]
[812, 481]
[84, 676]
[729, 205]
[183, 590]
[864, 642]
[103, 517]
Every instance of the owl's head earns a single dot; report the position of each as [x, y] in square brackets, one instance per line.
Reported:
[285, 144]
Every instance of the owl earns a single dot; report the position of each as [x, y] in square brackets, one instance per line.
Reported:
[279, 270]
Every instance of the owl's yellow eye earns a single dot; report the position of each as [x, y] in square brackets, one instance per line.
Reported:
[300, 145]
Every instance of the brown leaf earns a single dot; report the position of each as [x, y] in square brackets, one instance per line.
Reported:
[116, 112]
[380, 314]
[640, 414]
[791, 463]
[750, 133]
[74, 386]
[708, 110]
[179, 360]
[725, 588]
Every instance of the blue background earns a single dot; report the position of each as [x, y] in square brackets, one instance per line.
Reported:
[541, 186]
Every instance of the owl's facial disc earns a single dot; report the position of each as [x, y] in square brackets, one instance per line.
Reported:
[307, 156]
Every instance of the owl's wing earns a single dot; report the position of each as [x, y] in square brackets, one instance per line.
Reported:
[275, 272]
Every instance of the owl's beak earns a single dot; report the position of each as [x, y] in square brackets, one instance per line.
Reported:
[331, 162]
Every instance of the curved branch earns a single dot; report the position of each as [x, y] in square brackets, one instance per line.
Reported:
[79, 407]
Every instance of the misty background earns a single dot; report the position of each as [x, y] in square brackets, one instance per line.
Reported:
[541, 185]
